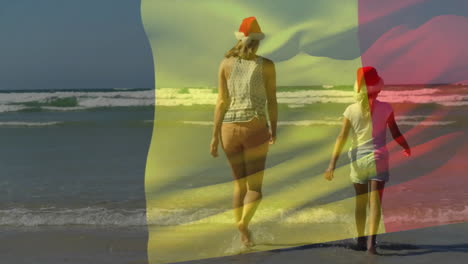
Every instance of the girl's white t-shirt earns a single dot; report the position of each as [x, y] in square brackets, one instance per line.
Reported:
[369, 137]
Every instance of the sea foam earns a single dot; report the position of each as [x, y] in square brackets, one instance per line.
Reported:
[82, 100]
[94, 216]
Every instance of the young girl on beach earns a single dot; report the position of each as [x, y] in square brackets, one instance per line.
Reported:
[247, 83]
[368, 119]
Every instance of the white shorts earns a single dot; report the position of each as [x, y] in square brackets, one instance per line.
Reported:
[366, 167]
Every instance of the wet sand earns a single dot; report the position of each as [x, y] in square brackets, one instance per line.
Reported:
[442, 244]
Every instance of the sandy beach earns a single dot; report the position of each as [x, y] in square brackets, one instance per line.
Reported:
[442, 244]
[74, 245]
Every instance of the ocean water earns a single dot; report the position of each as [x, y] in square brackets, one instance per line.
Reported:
[74, 157]
[73, 163]
[78, 157]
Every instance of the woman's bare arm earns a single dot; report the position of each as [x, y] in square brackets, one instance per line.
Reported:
[396, 134]
[270, 86]
[339, 143]
[220, 109]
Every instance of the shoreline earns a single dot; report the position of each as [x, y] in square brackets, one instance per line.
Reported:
[80, 244]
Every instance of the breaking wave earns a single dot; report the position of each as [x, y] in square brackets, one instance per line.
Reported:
[293, 97]
[29, 124]
[164, 217]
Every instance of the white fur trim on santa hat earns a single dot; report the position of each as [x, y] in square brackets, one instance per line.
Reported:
[251, 36]
[239, 35]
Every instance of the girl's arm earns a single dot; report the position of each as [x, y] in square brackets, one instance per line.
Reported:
[340, 141]
[270, 86]
[220, 109]
[399, 138]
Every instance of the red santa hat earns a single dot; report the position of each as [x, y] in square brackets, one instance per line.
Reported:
[371, 78]
[249, 30]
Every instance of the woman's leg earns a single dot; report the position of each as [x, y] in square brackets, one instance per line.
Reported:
[236, 160]
[255, 165]
[255, 160]
[375, 209]
[361, 212]
[255, 151]
[232, 146]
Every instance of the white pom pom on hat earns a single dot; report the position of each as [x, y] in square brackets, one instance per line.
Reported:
[249, 30]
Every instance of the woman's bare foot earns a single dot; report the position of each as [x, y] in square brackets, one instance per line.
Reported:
[361, 244]
[372, 251]
[245, 235]
[371, 242]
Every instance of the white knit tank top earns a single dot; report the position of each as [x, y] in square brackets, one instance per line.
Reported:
[246, 91]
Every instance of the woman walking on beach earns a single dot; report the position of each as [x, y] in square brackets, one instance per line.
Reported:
[247, 83]
[368, 119]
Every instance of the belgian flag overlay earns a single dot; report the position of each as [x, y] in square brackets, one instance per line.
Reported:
[317, 47]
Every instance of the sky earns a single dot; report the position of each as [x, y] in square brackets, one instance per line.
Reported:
[66, 44]
[313, 42]
[69, 44]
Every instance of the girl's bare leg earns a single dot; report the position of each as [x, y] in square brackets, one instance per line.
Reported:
[361, 212]
[375, 213]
